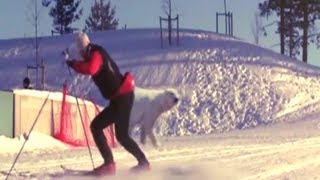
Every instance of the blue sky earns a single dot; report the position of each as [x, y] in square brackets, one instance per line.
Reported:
[195, 14]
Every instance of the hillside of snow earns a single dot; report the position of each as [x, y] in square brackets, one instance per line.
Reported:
[224, 83]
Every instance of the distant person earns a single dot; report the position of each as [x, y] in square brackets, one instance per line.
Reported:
[26, 83]
[119, 90]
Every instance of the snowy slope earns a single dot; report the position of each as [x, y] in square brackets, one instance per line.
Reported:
[224, 83]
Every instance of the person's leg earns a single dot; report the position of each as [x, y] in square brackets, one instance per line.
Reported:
[101, 121]
[124, 106]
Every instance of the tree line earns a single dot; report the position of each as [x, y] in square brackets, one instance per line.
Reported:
[296, 25]
[65, 12]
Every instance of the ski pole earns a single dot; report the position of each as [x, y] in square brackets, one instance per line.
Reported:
[66, 56]
[24, 143]
[85, 133]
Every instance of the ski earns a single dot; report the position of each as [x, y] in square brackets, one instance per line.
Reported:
[77, 172]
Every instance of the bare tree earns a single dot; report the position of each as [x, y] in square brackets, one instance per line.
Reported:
[33, 17]
[257, 27]
[167, 8]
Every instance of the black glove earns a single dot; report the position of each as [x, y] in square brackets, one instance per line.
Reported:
[69, 63]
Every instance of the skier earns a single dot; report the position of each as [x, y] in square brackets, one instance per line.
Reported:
[116, 88]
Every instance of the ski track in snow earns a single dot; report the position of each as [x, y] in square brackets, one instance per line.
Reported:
[281, 151]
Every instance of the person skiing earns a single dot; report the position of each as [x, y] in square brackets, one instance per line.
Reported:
[119, 90]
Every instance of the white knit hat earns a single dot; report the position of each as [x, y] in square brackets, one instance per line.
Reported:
[82, 41]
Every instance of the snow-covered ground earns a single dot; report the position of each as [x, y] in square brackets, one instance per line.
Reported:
[281, 151]
[245, 112]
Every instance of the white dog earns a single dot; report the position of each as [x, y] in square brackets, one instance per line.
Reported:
[147, 106]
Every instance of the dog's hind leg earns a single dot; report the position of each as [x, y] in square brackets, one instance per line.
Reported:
[153, 139]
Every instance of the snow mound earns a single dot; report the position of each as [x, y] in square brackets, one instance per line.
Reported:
[224, 83]
[35, 142]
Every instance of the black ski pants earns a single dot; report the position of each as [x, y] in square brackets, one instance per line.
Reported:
[118, 112]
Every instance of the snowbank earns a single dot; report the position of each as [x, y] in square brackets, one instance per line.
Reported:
[224, 83]
[36, 142]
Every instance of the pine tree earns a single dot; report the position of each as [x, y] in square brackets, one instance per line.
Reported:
[102, 17]
[291, 33]
[296, 16]
[287, 26]
[269, 7]
[64, 13]
[309, 12]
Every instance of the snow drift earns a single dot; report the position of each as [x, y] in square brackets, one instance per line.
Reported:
[224, 83]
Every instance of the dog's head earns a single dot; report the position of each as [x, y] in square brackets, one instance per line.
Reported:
[170, 99]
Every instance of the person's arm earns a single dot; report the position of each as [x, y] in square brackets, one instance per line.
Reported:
[89, 67]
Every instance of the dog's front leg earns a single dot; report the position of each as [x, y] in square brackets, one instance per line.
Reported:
[143, 135]
[147, 127]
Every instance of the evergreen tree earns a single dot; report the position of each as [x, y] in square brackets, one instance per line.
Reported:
[64, 13]
[297, 21]
[102, 17]
[291, 33]
[269, 7]
[309, 12]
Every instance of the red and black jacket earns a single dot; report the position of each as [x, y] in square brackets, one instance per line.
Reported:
[104, 71]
